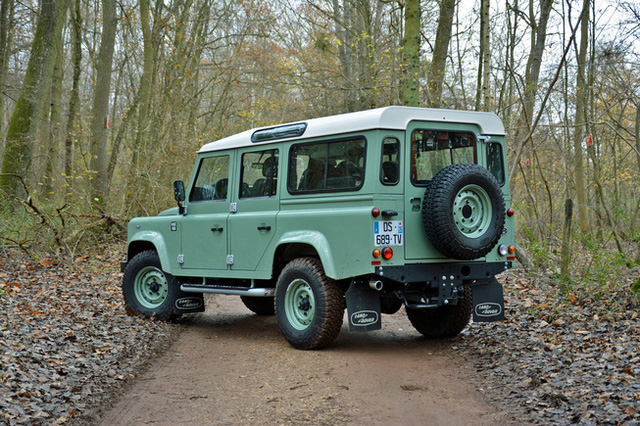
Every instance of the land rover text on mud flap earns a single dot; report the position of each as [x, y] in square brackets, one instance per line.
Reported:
[369, 210]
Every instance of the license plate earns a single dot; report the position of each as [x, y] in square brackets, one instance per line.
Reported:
[388, 233]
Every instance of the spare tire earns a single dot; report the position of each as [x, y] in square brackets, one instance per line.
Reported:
[463, 211]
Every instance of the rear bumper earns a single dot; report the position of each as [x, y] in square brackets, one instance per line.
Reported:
[421, 272]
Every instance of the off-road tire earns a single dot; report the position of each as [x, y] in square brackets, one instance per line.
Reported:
[309, 305]
[444, 321]
[148, 290]
[390, 304]
[259, 305]
[463, 211]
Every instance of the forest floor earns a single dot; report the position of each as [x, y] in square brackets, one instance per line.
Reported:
[68, 349]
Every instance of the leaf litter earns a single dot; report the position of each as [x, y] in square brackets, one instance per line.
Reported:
[66, 342]
[560, 358]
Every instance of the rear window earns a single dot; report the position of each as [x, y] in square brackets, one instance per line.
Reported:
[433, 150]
[326, 166]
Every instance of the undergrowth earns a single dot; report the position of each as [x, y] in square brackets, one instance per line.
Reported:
[597, 273]
[62, 233]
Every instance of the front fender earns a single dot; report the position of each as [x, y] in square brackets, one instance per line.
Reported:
[316, 240]
[142, 240]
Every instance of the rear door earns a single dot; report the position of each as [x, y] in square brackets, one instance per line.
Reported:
[430, 148]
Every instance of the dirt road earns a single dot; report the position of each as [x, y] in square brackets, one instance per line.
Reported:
[230, 366]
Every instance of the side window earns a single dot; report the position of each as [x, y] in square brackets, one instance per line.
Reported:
[326, 166]
[212, 180]
[433, 150]
[495, 162]
[390, 166]
[259, 174]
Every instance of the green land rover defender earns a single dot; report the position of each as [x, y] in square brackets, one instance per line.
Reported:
[369, 210]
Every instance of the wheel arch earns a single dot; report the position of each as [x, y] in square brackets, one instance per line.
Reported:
[150, 241]
[304, 244]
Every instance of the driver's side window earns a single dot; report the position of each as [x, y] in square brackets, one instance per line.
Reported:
[212, 180]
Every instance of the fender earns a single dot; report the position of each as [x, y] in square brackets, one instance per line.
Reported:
[158, 242]
[318, 241]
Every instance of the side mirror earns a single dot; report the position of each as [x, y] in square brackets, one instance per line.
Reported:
[178, 193]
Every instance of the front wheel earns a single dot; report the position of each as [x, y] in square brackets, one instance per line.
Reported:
[309, 305]
[147, 290]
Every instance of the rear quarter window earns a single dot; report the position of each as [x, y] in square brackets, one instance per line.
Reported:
[326, 166]
[495, 162]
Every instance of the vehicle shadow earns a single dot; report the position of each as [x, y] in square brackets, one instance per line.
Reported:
[228, 318]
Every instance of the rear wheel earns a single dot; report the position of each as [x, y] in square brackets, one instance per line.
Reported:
[443, 321]
[147, 290]
[309, 305]
[259, 305]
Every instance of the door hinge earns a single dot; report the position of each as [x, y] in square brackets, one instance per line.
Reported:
[233, 207]
[180, 259]
[229, 259]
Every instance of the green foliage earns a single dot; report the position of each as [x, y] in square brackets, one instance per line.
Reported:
[597, 271]
[323, 44]
[539, 250]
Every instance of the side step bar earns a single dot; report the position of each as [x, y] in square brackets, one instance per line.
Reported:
[234, 291]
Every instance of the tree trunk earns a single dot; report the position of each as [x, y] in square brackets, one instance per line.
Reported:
[580, 121]
[74, 98]
[411, 54]
[440, 52]
[6, 18]
[532, 75]
[53, 132]
[565, 256]
[29, 106]
[486, 56]
[100, 108]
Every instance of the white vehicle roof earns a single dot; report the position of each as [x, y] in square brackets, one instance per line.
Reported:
[392, 117]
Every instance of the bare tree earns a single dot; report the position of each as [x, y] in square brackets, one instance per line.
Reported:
[580, 120]
[29, 106]
[6, 24]
[411, 54]
[100, 108]
[74, 98]
[440, 52]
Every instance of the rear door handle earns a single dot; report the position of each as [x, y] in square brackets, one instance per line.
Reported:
[389, 213]
[264, 228]
[216, 229]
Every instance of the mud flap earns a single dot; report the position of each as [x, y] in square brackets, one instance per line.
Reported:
[187, 303]
[363, 308]
[488, 301]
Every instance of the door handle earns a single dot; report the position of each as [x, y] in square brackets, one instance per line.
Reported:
[216, 229]
[264, 228]
[389, 213]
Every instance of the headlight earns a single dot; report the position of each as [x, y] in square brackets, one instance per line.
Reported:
[502, 249]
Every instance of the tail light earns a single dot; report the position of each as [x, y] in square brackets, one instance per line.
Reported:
[387, 253]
